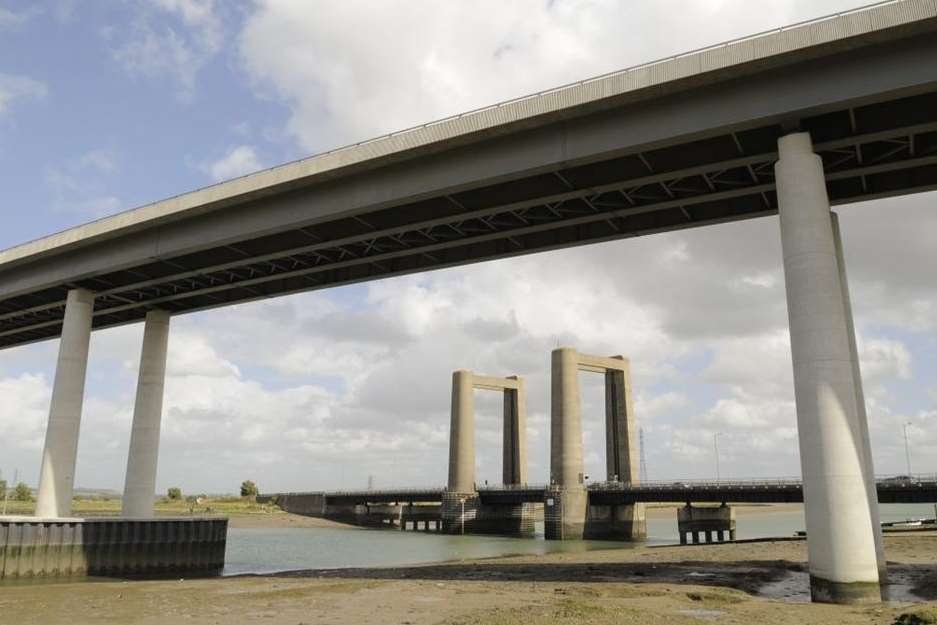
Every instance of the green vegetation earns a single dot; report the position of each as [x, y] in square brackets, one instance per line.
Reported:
[98, 506]
[22, 492]
[174, 493]
[3, 489]
[248, 489]
[718, 595]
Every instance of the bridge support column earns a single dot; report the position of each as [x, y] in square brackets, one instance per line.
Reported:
[566, 500]
[57, 474]
[621, 522]
[460, 501]
[462, 434]
[462, 511]
[841, 540]
[142, 459]
[869, 471]
[515, 434]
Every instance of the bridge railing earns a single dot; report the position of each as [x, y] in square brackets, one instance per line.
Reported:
[691, 484]
[774, 482]
[578, 83]
[385, 492]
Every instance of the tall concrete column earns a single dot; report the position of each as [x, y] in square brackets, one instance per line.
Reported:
[566, 501]
[462, 434]
[566, 467]
[515, 434]
[869, 470]
[621, 522]
[57, 474]
[840, 537]
[140, 484]
[621, 445]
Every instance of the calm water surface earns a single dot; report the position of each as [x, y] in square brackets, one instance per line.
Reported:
[282, 549]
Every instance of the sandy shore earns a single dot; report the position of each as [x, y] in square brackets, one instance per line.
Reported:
[727, 583]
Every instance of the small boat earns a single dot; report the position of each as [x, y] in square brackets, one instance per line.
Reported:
[909, 523]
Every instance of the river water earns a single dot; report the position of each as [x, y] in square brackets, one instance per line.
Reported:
[282, 549]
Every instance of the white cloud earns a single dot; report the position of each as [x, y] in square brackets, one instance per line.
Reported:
[178, 47]
[649, 407]
[238, 161]
[23, 411]
[355, 69]
[200, 15]
[14, 88]
[883, 359]
[83, 185]
[9, 19]
[320, 389]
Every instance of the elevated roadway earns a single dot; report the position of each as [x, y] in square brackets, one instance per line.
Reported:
[682, 142]
[890, 491]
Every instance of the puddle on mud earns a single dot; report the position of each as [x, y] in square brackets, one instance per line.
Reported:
[795, 587]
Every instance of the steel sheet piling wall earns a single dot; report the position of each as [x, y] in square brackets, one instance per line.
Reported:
[110, 546]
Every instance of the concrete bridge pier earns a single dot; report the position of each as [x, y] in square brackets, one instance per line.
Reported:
[57, 474]
[706, 522]
[515, 433]
[566, 499]
[842, 539]
[460, 501]
[868, 469]
[462, 512]
[622, 522]
[567, 512]
[142, 459]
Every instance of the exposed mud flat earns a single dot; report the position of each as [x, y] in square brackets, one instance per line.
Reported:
[728, 583]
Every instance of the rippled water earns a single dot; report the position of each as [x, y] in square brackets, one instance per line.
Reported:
[281, 549]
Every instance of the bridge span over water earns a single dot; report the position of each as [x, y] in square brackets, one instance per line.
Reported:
[922, 489]
[788, 122]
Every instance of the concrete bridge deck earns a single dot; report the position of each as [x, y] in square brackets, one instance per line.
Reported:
[890, 490]
[677, 143]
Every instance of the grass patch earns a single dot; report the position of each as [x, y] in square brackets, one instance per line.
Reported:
[573, 609]
[223, 506]
[722, 597]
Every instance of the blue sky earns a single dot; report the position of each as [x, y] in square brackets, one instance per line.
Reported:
[109, 105]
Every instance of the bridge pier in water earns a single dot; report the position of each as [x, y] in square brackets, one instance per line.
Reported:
[846, 559]
[568, 513]
[462, 511]
[705, 523]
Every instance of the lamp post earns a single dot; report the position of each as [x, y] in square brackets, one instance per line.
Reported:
[907, 447]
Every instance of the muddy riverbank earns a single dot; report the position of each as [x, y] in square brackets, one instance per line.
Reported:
[728, 583]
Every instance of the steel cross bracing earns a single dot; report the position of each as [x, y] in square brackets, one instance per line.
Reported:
[857, 166]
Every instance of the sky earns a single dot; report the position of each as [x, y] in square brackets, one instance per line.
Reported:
[111, 104]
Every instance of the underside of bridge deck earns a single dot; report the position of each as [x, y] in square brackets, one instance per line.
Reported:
[679, 162]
